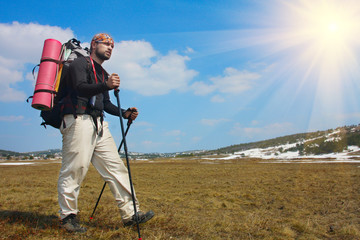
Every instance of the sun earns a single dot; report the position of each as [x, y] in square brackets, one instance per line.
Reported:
[329, 25]
[324, 36]
[333, 27]
[323, 31]
[313, 46]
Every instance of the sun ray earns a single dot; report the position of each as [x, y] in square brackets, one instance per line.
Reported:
[315, 44]
[313, 48]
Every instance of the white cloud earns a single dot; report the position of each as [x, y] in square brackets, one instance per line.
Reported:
[148, 127]
[232, 81]
[147, 72]
[271, 130]
[143, 124]
[235, 81]
[22, 43]
[149, 145]
[174, 133]
[217, 99]
[196, 139]
[189, 50]
[255, 122]
[202, 89]
[213, 122]
[8, 63]
[9, 77]
[11, 118]
[142, 69]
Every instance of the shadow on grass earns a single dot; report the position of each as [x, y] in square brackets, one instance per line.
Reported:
[29, 219]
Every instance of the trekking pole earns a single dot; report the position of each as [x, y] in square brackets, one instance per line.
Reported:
[102, 190]
[116, 92]
[127, 129]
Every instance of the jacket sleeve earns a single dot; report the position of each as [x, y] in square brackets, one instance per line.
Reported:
[79, 75]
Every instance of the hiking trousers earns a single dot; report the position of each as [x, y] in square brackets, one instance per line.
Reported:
[82, 145]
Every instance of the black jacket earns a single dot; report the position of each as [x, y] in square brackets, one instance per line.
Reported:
[81, 85]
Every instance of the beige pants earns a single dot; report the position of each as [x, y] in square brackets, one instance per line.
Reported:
[81, 145]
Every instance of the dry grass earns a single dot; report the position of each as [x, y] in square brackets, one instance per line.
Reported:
[242, 199]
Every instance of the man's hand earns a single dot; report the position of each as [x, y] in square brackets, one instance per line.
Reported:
[131, 113]
[113, 81]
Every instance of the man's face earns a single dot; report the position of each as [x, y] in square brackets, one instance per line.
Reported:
[103, 50]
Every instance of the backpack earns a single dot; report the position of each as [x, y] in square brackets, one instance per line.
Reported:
[70, 51]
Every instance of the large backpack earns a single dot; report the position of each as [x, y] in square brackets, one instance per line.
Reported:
[71, 50]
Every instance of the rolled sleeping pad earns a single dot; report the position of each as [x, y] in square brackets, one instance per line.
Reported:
[46, 79]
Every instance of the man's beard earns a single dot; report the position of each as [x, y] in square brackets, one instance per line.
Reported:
[102, 56]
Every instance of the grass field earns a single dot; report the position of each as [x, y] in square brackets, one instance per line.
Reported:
[194, 199]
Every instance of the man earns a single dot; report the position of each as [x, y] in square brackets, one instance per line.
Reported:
[86, 137]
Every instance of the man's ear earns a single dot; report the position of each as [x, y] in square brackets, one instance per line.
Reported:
[93, 45]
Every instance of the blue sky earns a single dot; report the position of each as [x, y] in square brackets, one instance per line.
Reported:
[204, 74]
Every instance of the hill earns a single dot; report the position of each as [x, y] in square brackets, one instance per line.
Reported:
[320, 142]
[51, 153]
[6, 153]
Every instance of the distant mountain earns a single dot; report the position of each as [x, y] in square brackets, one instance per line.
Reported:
[312, 143]
[45, 153]
[49, 151]
[5, 153]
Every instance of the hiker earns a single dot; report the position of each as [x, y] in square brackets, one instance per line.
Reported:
[86, 137]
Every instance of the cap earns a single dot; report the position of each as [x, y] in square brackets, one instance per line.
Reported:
[103, 38]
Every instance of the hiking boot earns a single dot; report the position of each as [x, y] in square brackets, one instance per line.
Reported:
[71, 224]
[142, 217]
